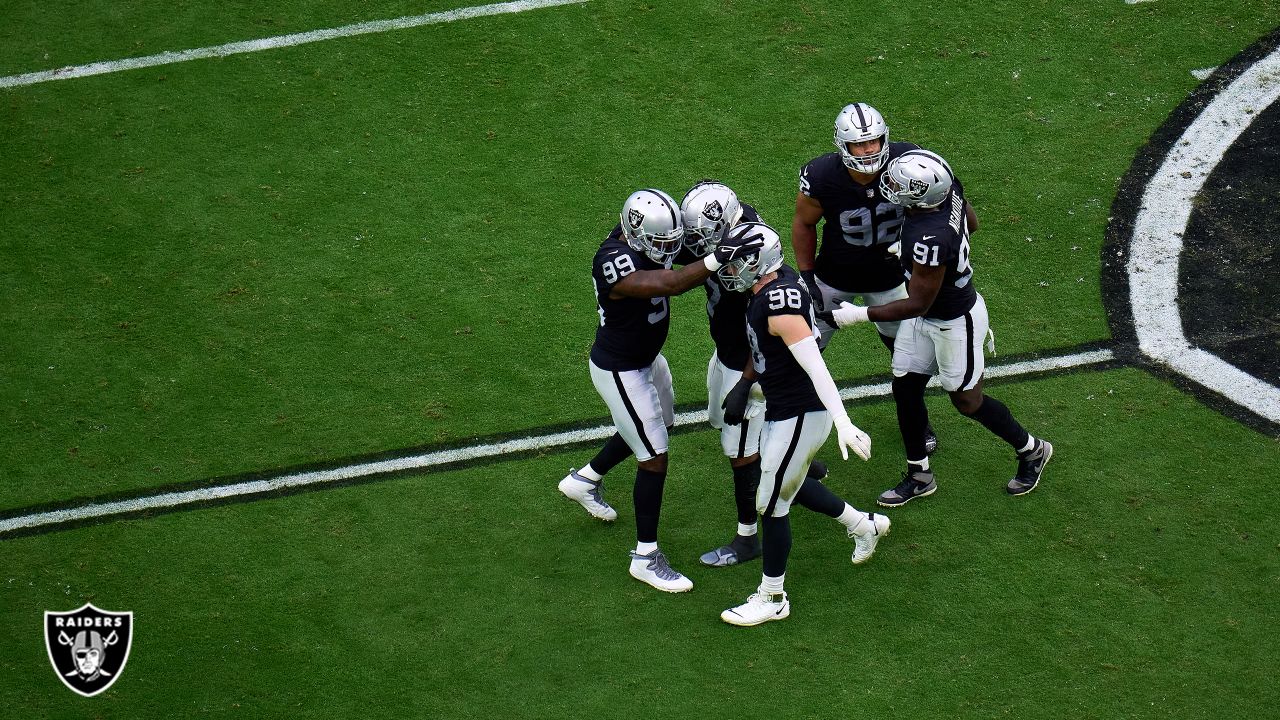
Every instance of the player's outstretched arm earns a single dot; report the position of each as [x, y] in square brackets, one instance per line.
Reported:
[923, 289]
[796, 333]
[665, 283]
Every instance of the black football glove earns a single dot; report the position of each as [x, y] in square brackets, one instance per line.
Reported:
[728, 252]
[735, 403]
[815, 295]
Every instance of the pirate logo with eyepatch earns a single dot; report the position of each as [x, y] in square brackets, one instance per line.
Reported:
[88, 647]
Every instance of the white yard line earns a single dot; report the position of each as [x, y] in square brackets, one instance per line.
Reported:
[1156, 248]
[446, 457]
[248, 46]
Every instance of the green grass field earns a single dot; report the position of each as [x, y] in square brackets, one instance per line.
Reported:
[300, 256]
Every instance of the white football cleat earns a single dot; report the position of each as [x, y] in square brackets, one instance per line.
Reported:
[656, 571]
[587, 494]
[864, 544]
[760, 608]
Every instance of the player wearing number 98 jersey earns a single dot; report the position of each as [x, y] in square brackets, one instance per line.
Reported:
[633, 279]
[801, 406]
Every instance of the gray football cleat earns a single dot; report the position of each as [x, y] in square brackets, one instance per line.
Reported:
[656, 571]
[739, 550]
[587, 494]
[914, 484]
[1030, 468]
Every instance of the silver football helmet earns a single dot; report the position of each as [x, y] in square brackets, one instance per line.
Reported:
[917, 179]
[709, 210]
[741, 273]
[651, 224]
[859, 122]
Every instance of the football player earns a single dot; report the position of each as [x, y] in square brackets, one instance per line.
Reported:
[710, 208]
[633, 280]
[859, 225]
[944, 322]
[802, 403]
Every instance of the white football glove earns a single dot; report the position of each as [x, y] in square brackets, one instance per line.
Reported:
[849, 314]
[755, 402]
[851, 438]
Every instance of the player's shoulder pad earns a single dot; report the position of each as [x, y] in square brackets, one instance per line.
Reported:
[749, 213]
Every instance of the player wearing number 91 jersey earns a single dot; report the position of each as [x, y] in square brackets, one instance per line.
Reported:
[944, 323]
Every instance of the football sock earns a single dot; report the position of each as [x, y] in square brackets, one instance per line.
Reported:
[644, 548]
[776, 544]
[1031, 445]
[615, 450]
[819, 498]
[647, 496]
[995, 417]
[913, 415]
[746, 480]
[852, 517]
[590, 473]
[918, 465]
[817, 470]
[747, 530]
[771, 585]
[888, 342]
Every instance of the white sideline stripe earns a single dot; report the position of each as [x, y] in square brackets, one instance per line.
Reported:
[1162, 220]
[248, 46]
[444, 457]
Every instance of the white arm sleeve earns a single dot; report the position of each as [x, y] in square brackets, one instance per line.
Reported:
[809, 356]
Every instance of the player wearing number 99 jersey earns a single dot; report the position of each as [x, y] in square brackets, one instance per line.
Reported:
[801, 405]
[633, 278]
[944, 323]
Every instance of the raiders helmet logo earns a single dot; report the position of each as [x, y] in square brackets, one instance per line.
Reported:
[88, 647]
[871, 192]
[713, 211]
[634, 218]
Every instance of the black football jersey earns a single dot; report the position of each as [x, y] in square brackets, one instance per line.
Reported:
[858, 226]
[631, 330]
[726, 310]
[941, 238]
[788, 391]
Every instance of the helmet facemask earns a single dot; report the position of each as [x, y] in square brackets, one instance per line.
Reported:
[740, 274]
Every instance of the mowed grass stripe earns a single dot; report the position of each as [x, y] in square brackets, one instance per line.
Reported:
[279, 41]
[271, 486]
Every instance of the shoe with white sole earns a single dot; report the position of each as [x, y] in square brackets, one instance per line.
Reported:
[656, 571]
[587, 494]
[760, 608]
[864, 545]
